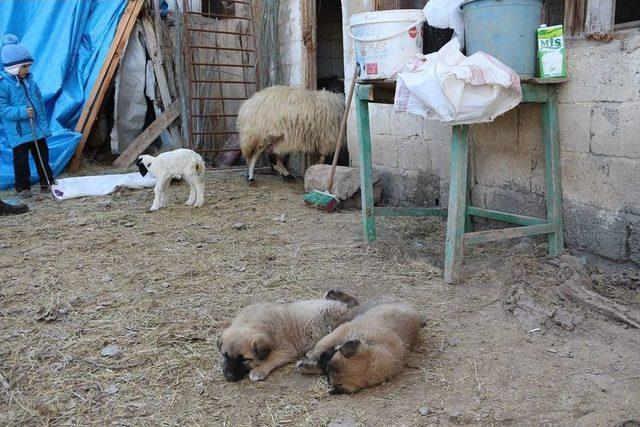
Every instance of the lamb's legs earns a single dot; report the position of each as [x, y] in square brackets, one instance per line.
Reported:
[199, 185]
[163, 196]
[321, 160]
[192, 193]
[158, 191]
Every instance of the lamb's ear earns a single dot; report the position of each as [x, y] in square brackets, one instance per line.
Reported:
[261, 347]
[349, 348]
[142, 168]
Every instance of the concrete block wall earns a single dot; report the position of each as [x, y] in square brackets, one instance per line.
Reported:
[599, 111]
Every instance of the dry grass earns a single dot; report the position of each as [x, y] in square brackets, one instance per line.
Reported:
[81, 275]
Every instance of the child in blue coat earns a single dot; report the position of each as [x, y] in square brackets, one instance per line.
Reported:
[23, 116]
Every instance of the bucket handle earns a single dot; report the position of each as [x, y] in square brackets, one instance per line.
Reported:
[360, 39]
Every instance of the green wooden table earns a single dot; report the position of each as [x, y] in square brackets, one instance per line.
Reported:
[460, 210]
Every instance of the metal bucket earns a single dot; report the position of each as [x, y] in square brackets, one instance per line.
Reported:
[505, 29]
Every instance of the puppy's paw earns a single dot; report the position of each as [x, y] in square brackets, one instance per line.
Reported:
[308, 367]
[153, 208]
[189, 203]
[198, 204]
[335, 295]
[257, 375]
[332, 294]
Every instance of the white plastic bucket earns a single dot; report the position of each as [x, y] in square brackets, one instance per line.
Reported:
[385, 40]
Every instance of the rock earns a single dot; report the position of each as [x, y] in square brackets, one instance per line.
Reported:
[343, 422]
[110, 351]
[106, 278]
[525, 244]
[346, 180]
[239, 226]
[454, 341]
[424, 411]
[281, 219]
[129, 224]
[112, 389]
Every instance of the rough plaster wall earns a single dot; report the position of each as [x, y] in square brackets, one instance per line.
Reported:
[599, 112]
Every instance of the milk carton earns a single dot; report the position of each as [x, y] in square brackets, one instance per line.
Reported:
[551, 52]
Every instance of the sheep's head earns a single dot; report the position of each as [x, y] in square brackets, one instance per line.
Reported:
[144, 163]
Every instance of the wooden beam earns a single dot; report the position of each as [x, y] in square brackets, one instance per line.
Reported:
[382, 211]
[161, 78]
[574, 16]
[148, 136]
[103, 81]
[507, 233]
[600, 19]
[309, 41]
[504, 216]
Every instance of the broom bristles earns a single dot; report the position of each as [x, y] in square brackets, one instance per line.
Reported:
[321, 199]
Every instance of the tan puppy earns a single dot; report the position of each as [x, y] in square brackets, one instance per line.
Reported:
[265, 336]
[369, 349]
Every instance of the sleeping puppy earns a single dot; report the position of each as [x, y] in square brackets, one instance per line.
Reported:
[265, 336]
[367, 350]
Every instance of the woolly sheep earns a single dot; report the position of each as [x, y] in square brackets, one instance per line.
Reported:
[182, 162]
[283, 120]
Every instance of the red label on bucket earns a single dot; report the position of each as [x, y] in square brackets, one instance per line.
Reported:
[413, 32]
[371, 68]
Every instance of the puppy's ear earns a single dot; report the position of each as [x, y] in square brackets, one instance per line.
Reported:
[219, 343]
[261, 347]
[138, 161]
[349, 348]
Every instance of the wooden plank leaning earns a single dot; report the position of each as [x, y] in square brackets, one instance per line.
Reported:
[107, 72]
[148, 136]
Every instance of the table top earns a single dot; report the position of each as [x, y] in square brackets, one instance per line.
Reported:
[383, 91]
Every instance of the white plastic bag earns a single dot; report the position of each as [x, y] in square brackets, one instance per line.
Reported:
[452, 88]
[101, 185]
[446, 14]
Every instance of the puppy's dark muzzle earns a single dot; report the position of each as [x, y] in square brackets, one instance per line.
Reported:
[234, 373]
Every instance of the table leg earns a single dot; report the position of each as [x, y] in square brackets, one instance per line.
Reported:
[457, 204]
[366, 178]
[551, 141]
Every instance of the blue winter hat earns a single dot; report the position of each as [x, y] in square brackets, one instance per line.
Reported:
[13, 53]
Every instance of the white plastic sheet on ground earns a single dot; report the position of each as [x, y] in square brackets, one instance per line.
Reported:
[446, 14]
[452, 88]
[101, 185]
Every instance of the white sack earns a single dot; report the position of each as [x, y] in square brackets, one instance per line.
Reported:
[452, 88]
[101, 185]
[446, 14]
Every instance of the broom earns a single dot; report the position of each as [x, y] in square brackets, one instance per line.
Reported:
[324, 199]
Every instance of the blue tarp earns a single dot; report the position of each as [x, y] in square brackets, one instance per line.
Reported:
[69, 40]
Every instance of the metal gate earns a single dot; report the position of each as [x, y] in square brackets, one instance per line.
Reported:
[221, 60]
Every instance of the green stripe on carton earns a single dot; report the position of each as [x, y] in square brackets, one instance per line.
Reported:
[547, 32]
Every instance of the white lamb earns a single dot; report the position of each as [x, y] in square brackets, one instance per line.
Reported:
[180, 162]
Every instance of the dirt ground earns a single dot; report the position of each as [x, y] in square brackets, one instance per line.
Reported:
[82, 276]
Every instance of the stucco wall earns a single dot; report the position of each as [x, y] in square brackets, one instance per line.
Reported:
[600, 139]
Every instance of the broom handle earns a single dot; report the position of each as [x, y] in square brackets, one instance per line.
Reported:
[343, 127]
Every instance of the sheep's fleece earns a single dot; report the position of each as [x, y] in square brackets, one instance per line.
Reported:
[181, 162]
[289, 120]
